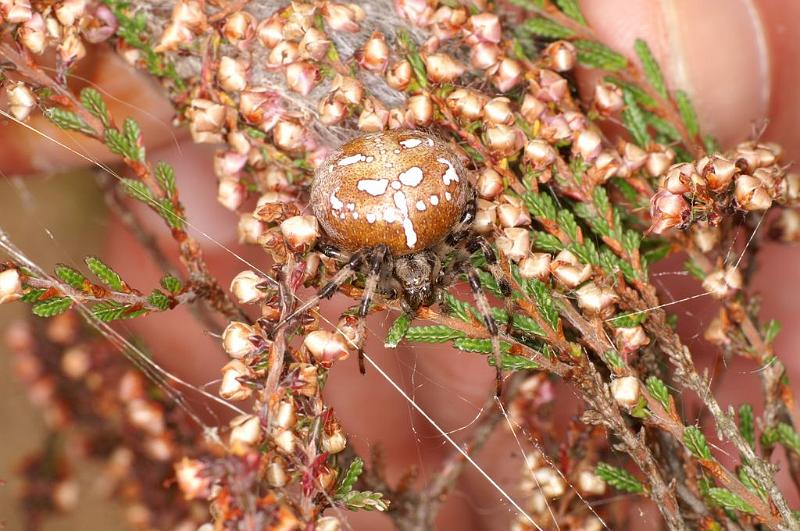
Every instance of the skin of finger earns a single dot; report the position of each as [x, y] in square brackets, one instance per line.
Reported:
[127, 93]
[715, 50]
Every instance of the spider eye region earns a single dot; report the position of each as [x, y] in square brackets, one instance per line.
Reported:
[406, 189]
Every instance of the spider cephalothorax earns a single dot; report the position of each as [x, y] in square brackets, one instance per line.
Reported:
[398, 206]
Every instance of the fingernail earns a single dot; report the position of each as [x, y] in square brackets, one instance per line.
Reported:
[715, 50]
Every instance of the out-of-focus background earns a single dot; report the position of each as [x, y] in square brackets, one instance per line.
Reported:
[52, 219]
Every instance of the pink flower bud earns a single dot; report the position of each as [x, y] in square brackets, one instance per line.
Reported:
[374, 55]
[314, 45]
[552, 87]
[484, 27]
[206, 121]
[260, 107]
[245, 434]
[555, 128]
[10, 286]
[484, 55]
[232, 74]
[608, 98]
[32, 34]
[658, 162]
[723, 283]
[192, 479]
[595, 300]
[331, 110]
[498, 111]
[342, 17]
[284, 53]
[513, 216]
[539, 154]
[231, 193]
[562, 55]
[508, 75]
[249, 229]
[504, 140]
[240, 26]
[442, 68]
[485, 217]
[236, 339]
[326, 347]
[71, 48]
[588, 145]
[515, 243]
[288, 135]
[682, 178]
[374, 117]
[270, 31]
[244, 287]
[630, 339]
[569, 270]
[399, 75]
[21, 100]
[232, 387]
[300, 232]
[418, 12]
[467, 104]
[626, 391]
[16, 11]
[69, 11]
[228, 164]
[667, 210]
[174, 36]
[705, 236]
[189, 13]
[146, 415]
[333, 442]
[420, 109]
[347, 89]
[532, 107]
[535, 265]
[751, 194]
[302, 77]
[489, 184]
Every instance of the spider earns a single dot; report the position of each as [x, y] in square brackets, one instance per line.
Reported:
[397, 206]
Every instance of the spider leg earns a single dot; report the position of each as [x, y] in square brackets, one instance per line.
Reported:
[343, 275]
[478, 242]
[482, 303]
[376, 259]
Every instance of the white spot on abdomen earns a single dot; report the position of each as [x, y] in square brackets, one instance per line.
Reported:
[412, 176]
[396, 185]
[450, 175]
[448, 196]
[336, 204]
[410, 143]
[373, 186]
[370, 218]
[408, 225]
[352, 159]
[420, 206]
[434, 200]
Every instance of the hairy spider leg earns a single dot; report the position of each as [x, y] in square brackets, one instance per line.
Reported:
[376, 258]
[479, 243]
[496, 357]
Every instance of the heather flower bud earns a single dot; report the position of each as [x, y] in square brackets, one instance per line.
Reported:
[626, 391]
[467, 104]
[374, 56]
[490, 184]
[718, 332]
[276, 473]
[633, 157]
[555, 128]
[328, 523]
[16, 11]
[285, 415]
[787, 226]
[342, 17]
[21, 100]
[595, 300]
[284, 53]
[630, 339]
[552, 87]
[374, 117]
[484, 27]
[191, 478]
[228, 164]
[302, 77]
[442, 68]
[539, 154]
[245, 434]
[498, 111]
[705, 236]
[515, 243]
[535, 265]
[288, 135]
[285, 441]
[682, 178]
[484, 55]
[667, 210]
[174, 35]
[508, 75]
[590, 484]
[232, 387]
[420, 109]
[418, 12]
[718, 171]
[10, 285]
[68, 11]
[232, 74]
[32, 34]
[562, 55]
[532, 107]
[236, 339]
[71, 48]
[513, 216]
[550, 482]
[245, 287]
[239, 26]
[249, 229]
[231, 193]
[326, 347]
[569, 270]
[348, 89]
[752, 194]
[333, 442]
[485, 220]
[723, 283]
[206, 121]
[146, 415]
[399, 75]
[300, 232]
[588, 144]
[504, 140]
[314, 45]
[608, 98]
[658, 162]
[270, 31]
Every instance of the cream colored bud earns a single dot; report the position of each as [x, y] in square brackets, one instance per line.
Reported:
[752, 194]
[540, 154]
[588, 144]
[174, 36]
[490, 184]
[206, 121]
[442, 68]
[190, 13]
[236, 339]
[10, 285]
[245, 434]
[705, 236]
[515, 243]
[562, 55]
[630, 339]
[633, 157]
[667, 210]
[718, 171]
[374, 55]
[787, 226]
[626, 391]
[300, 232]
[508, 75]
[21, 100]
[532, 107]
[348, 89]
[32, 34]
[276, 474]
[484, 55]
[374, 117]
[723, 283]
[232, 74]
[76, 362]
[231, 193]
[718, 332]
[333, 442]
[399, 75]
[328, 523]
[69, 11]
[285, 441]
[590, 484]
[608, 98]
[467, 104]
[485, 220]
[550, 482]
[288, 135]
[569, 270]
[228, 164]
[504, 140]
[285, 415]
[342, 17]
[484, 27]
[498, 111]
[146, 415]
[326, 347]
[552, 87]
[284, 53]
[513, 216]
[596, 300]
[302, 77]
[232, 387]
[249, 229]
[270, 31]
[16, 11]
[418, 12]
[244, 287]
[658, 162]
[71, 48]
[420, 109]
[239, 26]
[535, 265]
[190, 475]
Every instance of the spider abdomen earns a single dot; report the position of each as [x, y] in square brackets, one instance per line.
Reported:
[405, 189]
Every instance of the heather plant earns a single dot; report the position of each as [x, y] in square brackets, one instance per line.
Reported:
[578, 196]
